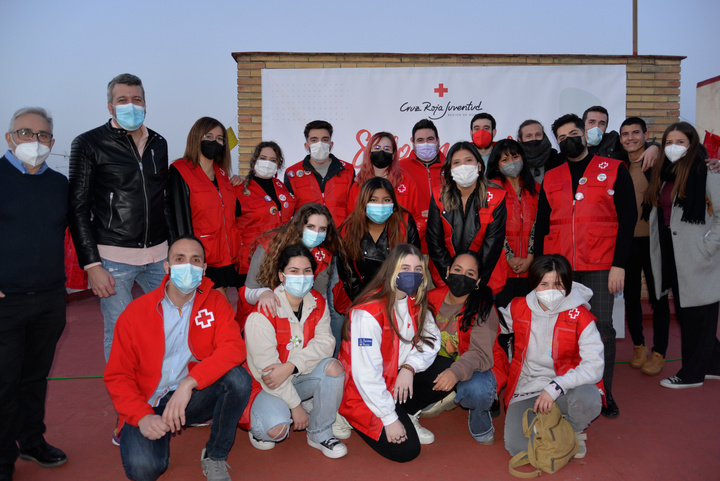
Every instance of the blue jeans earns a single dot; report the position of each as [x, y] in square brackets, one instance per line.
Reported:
[478, 394]
[224, 401]
[336, 319]
[149, 277]
[326, 391]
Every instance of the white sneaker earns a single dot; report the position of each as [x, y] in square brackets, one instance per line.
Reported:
[341, 428]
[582, 447]
[261, 445]
[445, 404]
[425, 436]
[331, 447]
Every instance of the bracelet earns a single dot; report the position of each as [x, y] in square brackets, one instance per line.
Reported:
[409, 368]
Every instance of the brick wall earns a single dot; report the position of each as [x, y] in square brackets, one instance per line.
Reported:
[653, 82]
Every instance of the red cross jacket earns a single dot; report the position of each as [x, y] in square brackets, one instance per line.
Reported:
[134, 369]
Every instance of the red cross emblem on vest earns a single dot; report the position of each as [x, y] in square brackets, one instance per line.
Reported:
[490, 196]
[603, 165]
[401, 188]
[574, 313]
[319, 255]
[204, 318]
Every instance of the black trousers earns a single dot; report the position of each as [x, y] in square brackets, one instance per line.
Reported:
[637, 263]
[423, 395]
[601, 306]
[30, 327]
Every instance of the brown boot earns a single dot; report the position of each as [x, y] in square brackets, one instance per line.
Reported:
[639, 357]
[654, 364]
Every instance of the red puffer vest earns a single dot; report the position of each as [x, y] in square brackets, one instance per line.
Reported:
[583, 228]
[335, 198]
[353, 407]
[213, 212]
[565, 349]
[283, 337]
[259, 214]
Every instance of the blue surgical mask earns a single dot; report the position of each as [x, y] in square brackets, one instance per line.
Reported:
[312, 239]
[129, 116]
[186, 277]
[298, 285]
[408, 282]
[379, 213]
[594, 136]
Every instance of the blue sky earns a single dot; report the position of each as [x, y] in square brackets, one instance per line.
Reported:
[61, 54]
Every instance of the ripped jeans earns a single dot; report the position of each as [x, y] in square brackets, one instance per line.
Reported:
[326, 392]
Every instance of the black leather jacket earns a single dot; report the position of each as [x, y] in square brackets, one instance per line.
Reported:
[374, 253]
[117, 198]
[464, 230]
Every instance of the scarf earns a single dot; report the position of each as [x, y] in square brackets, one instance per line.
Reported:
[537, 155]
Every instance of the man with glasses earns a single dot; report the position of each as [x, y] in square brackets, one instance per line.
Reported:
[118, 177]
[33, 216]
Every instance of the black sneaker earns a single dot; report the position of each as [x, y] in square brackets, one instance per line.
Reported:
[495, 409]
[610, 410]
[675, 382]
[332, 447]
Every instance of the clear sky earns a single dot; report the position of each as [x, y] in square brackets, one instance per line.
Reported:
[60, 54]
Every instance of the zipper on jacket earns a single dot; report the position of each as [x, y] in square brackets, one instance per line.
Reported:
[111, 210]
[227, 240]
[574, 264]
[152, 152]
[142, 177]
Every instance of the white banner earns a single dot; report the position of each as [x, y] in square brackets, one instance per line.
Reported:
[359, 102]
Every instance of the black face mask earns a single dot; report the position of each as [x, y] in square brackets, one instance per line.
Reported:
[461, 285]
[381, 159]
[572, 147]
[210, 149]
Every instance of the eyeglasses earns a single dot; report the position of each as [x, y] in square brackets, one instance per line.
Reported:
[386, 148]
[219, 139]
[27, 134]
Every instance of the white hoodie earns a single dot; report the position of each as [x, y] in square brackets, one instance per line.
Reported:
[538, 369]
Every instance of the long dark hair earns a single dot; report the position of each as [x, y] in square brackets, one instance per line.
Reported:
[450, 193]
[682, 167]
[383, 288]
[355, 227]
[509, 147]
[479, 302]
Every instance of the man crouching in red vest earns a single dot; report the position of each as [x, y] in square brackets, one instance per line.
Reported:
[585, 214]
[176, 361]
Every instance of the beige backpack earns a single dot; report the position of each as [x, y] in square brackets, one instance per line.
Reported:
[551, 444]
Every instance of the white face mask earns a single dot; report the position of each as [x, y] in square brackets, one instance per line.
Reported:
[32, 153]
[465, 175]
[551, 298]
[320, 151]
[675, 152]
[265, 169]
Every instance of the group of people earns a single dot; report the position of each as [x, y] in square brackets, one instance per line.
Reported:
[365, 301]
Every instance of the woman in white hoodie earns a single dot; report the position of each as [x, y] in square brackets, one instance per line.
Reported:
[558, 353]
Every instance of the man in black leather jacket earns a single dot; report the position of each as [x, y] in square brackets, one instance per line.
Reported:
[118, 218]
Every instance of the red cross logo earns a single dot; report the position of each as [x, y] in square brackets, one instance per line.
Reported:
[319, 255]
[603, 165]
[440, 90]
[490, 196]
[204, 318]
[401, 188]
[574, 313]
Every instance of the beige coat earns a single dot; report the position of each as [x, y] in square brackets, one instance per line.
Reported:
[262, 348]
